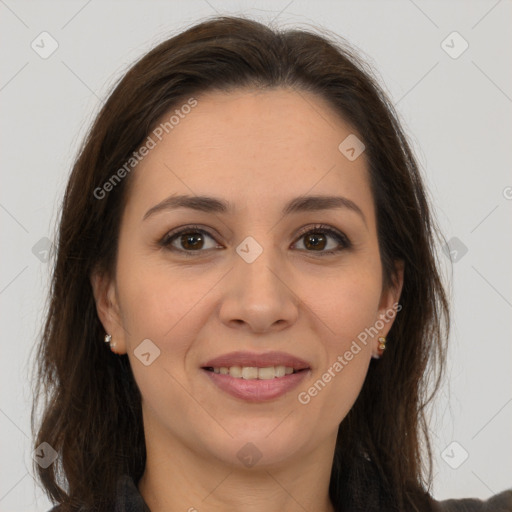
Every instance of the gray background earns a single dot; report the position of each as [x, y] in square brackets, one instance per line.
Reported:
[457, 112]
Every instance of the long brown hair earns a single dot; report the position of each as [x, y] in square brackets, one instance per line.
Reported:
[91, 405]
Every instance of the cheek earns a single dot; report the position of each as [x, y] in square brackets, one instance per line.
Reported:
[347, 303]
[156, 300]
[333, 390]
[349, 309]
[163, 305]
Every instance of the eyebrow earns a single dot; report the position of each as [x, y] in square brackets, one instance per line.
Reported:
[215, 205]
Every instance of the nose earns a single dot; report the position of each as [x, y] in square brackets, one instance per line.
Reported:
[258, 297]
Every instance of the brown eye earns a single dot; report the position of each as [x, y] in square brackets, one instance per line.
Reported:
[319, 239]
[315, 241]
[188, 240]
[192, 241]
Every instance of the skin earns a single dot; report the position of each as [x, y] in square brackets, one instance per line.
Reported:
[256, 149]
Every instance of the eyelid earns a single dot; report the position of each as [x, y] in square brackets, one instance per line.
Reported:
[165, 241]
[325, 228]
[338, 235]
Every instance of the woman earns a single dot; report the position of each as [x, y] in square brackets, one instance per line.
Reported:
[247, 230]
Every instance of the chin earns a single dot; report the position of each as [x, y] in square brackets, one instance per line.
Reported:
[265, 444]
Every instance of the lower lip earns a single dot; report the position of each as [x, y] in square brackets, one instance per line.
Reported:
[257, 390]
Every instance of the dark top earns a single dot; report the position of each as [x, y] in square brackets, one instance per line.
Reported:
[129, 499]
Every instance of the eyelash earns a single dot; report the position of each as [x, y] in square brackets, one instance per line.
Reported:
[324, 229]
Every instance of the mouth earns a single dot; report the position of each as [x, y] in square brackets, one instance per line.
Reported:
[254, 372]
[256, 377]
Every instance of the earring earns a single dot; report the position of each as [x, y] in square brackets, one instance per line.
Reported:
[108, 339]
[382, 346]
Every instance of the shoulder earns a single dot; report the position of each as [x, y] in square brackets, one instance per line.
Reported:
[501, 502]
[127, 499]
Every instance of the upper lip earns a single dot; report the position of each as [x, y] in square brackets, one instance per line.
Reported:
[264, 360]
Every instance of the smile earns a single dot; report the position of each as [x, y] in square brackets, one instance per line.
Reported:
[253, 372]
[252, 388]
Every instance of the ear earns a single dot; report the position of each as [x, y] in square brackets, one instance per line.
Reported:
[107, 307]
[388, 305]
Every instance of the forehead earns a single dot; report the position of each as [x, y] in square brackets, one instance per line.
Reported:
[247, 144]
[269, 123]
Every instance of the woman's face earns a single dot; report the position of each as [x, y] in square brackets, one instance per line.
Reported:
[248, 280]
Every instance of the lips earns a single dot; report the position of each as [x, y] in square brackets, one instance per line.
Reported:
[264, 360]
[239, 374]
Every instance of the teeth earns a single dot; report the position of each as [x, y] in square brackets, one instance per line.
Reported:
[252, 372]
[248, 372]
[235, 371]
[267, 373]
